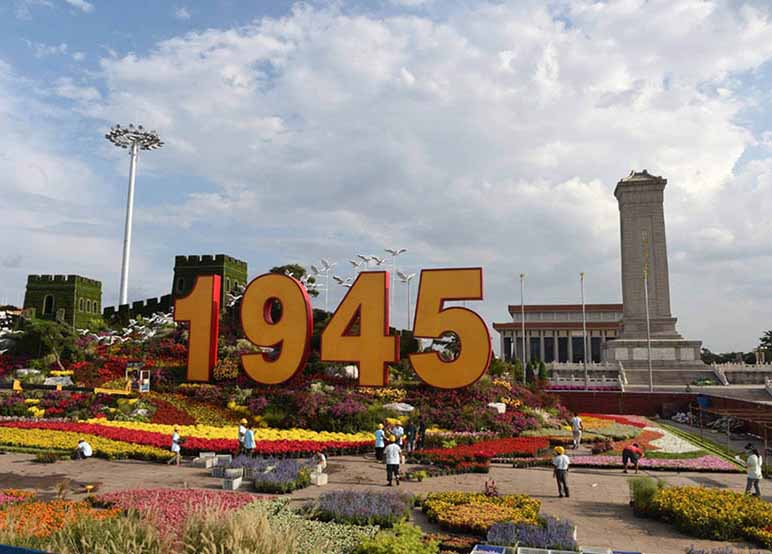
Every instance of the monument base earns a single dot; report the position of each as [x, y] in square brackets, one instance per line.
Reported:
[673, 361]
[661, 328]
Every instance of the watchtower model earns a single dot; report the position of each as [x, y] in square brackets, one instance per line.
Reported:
[186, 268]
[71, 299]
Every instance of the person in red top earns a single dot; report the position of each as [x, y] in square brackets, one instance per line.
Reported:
[632, 454]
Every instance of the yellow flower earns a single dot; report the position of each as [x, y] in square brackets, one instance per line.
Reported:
[213, 432]
[66, 441]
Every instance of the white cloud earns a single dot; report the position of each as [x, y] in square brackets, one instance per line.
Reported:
[66, 88]
[23, 8]
[44, 50]
[494, 137]
[56, 218]
[81, 5]
[182, 13]
[79, 56]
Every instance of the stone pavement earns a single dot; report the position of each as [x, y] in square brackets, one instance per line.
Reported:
[599, 503]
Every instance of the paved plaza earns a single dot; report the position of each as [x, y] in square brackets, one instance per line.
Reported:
[599, 503]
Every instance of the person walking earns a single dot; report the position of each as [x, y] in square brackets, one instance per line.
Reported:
[242, 432]
[410, 431]
[576, 430]
[753, 465]
[249, 441]
[393, 456]
[561, 463]
[631, 454]
[176, 440]
[421, 435]
[380, 442]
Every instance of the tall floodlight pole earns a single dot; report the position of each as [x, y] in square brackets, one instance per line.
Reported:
[134, 139]
[522, 321]
[646, 298]
[584, 333]
[393, 252]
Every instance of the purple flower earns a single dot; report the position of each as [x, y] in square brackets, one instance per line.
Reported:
[364, 507]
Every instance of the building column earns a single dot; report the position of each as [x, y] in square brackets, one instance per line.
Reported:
[555, 345]
[603, 346]
[570, 347]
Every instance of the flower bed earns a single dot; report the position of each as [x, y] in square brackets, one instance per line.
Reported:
[604, 420]
[51, 439]
[714, 513]
[478, 455]
[312, 535]
[277, 476]
[549, 532]
[476, 512]
[364, 508]
[41, 519]
[169, 509]
[214, 432]
[134, 438]
[707, 463]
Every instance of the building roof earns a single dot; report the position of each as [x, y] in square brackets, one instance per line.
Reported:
[538, 325]
[515, 308]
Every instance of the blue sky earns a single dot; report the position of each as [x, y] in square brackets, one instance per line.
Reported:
[473, 133]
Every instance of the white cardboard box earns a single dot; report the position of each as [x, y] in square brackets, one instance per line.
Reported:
[231, 484]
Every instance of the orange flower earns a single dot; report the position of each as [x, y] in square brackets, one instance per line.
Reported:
[41, 519]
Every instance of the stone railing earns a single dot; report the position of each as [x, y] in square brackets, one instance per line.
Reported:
[579, 366]
[740, 366]
[742, 374]
[718, 371]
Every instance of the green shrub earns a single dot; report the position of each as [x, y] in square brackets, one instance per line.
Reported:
[404, 538]
[642, 491]
[49, 457]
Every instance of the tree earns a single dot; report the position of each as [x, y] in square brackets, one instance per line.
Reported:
[42, 337]
[542, 371]
[766, 341]
[298, 272]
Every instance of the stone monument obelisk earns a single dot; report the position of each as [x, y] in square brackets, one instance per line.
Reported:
[644, 252]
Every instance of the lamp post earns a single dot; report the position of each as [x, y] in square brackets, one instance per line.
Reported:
[393, 252]
[134, 139]
[584, 333]
[522, 321]
[646, 298]
[326, 270]
[406, 278]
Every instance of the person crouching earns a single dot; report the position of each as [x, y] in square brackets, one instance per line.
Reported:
[82, 451]
[392, 454]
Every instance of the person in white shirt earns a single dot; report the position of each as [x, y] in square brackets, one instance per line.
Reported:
[392, 455]
[83, 450]
[242, 434]
[754, 471]
[561, 463]
[576, 430]
[175, 446]
[398, 432]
